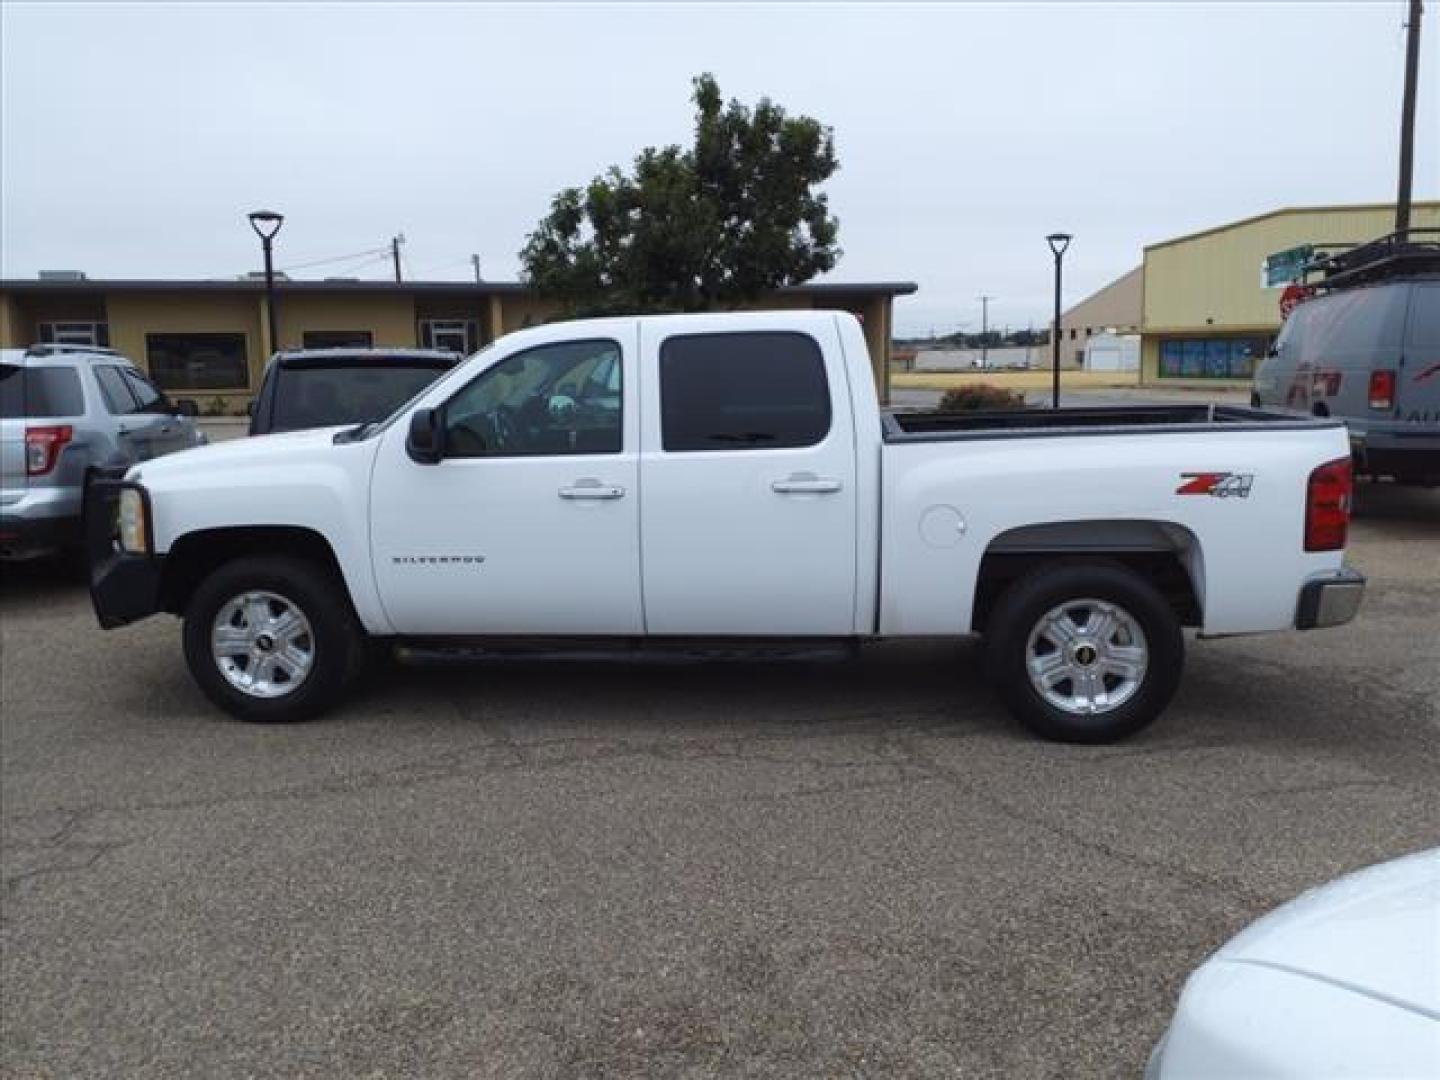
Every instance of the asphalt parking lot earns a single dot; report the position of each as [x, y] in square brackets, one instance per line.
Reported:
[782, 869]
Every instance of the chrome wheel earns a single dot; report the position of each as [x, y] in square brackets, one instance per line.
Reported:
[1087, 656]
[262, 643]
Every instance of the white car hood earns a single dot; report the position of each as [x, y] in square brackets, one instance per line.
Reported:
[1375, 932]
[289, 446]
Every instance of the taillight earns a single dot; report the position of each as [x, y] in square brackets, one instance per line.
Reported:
[1327, 506]
[1382, 389]
[43, 446]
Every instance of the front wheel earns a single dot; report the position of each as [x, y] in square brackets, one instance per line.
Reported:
[272, 639]
[1085, 653]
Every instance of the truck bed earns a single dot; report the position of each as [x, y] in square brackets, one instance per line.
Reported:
[906, 427]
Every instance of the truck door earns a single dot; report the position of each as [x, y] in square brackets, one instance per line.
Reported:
[530, 522]
[748, 469]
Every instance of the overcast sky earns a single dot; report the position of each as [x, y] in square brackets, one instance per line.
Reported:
[134, 137]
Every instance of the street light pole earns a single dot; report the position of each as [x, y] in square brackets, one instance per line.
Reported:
[1058, 243]
[1407, 119]
[266, 224]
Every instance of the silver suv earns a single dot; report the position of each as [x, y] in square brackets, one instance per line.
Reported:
[65, 410]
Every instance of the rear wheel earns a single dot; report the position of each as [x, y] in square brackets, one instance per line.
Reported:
[272, 639]
[1085, 653]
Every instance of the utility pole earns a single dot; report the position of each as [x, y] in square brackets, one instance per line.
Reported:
[395, 242]
[985, 331]
[1407, 117]
[475, 262]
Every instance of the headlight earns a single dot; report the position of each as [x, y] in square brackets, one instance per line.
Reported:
[134, 536]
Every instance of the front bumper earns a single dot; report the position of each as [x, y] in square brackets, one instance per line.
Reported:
[124, 587]
[1330, 601]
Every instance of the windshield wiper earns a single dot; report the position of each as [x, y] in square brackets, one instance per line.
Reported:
[356, 434]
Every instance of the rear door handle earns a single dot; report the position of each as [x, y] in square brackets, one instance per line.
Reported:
[806, 483]
[592, 489]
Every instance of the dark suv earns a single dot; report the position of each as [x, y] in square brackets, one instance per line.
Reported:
[312, 388]
[1366, 348]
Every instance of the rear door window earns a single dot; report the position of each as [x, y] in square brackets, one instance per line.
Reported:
[1354, 324]
[760, 391]
[119, 401]
[149, 398]
[1425, 317]
[39, 391]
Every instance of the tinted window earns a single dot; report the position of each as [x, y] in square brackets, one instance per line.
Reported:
[150, 399]
[336, 339]
[1345, 324]
[310, 397]
[198, 361]
[1425, 316]
[737, 391]
[550, 400]
[39, 391]
[118, 399]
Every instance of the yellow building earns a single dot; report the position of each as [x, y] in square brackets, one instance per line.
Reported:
[209, 340]
[1207, 315]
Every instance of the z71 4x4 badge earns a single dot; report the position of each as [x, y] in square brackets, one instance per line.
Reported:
[1220, 485]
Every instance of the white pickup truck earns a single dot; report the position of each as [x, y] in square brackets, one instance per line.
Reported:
[657, 480]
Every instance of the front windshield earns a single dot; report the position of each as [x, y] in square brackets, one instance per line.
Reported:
[327, 396]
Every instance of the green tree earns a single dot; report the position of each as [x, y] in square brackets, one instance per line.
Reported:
[722, 223]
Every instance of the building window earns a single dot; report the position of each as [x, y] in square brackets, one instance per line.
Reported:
[198, 361]
[452, 335]
[337, 339]
[75, 333]
[1211, 358]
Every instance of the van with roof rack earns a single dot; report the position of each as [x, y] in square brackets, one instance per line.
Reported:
[65, 411]
[1363, 345]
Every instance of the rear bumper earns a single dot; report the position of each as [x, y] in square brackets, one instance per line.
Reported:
[1330, 601]
[1396, 450]
[22, 537]
[41, 520]
[123, 587]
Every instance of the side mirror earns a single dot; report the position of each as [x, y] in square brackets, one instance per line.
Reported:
[426, 442]
[187, 407]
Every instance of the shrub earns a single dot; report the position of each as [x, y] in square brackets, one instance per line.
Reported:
[979, 396]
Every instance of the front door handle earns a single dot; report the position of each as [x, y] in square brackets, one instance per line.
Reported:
[590, 488]
[806, 483]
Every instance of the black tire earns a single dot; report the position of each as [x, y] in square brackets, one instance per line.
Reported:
[1027, 601]
[337, 640]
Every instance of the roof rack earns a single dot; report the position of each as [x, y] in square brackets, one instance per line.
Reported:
[56, 348]
[1410, 251]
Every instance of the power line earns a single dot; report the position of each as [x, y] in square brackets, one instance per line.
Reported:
[335, 259]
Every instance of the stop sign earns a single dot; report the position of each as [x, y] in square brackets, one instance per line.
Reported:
[1292, 296]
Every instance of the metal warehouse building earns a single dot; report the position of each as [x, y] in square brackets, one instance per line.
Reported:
[1206, 314]
[209, 340]
[1199, 303]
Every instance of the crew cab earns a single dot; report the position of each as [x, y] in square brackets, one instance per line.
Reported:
[655, 480]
